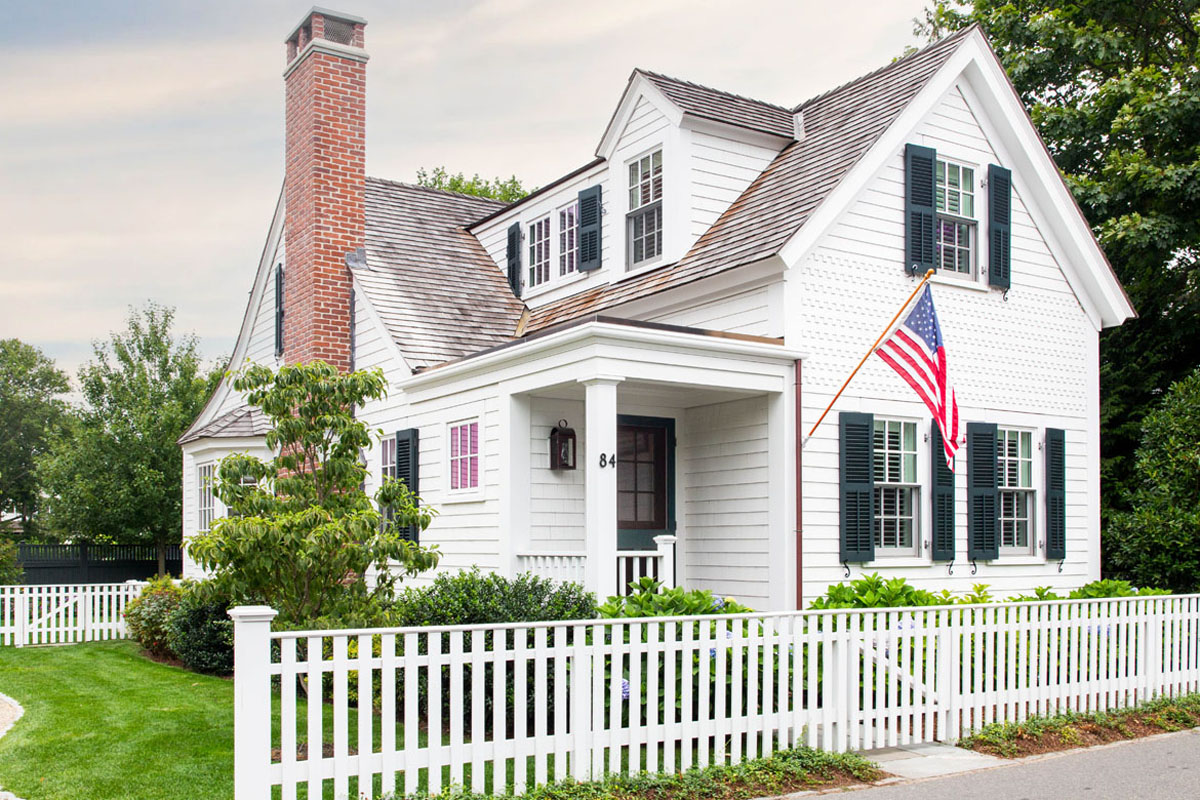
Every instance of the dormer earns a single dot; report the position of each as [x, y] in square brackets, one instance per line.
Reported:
[673, 157]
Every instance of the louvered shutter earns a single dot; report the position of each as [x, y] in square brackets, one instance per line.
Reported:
[590, 212]
[999, 226]
[856, 459]
[408, 467]
[983, 496]
[942, 537]
[920, 209]
[1056, 494]
[514, 258]
[278, 310]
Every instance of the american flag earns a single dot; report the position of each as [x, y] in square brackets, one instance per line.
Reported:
[918, 354]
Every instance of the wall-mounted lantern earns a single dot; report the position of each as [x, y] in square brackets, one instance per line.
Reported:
[562, 446]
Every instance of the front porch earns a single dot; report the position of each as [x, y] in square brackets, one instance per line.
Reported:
[684, 458]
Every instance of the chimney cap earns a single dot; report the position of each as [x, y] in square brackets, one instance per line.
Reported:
[327, 13]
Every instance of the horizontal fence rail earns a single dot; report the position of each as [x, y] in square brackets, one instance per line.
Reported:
[64, 613]
[501, 708]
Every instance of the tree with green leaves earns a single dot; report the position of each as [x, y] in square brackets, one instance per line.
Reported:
[301, 534]
[1158, 542]
[115, 475]
[1113, 87]
[31, 409]
[509, 190]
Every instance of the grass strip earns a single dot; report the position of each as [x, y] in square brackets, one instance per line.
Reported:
[1075, 729]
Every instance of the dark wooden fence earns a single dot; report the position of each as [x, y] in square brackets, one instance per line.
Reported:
[93, 563]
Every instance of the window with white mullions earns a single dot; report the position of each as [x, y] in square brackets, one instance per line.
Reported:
[896, 487]
[539, 252]
[568, 232]
[956, 224]
[1014, 477]
[644, 224]
[387, 471]
[206, 505]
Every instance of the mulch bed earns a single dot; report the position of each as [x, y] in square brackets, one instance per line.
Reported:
[1017, 741]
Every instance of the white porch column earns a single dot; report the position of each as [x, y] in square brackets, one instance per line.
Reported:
[515, 421]
[600, 484]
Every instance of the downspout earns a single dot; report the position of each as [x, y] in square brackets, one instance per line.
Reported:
[799, 495]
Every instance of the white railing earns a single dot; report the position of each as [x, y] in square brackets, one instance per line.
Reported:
[504, 707]
[64, 613]
[564, 567]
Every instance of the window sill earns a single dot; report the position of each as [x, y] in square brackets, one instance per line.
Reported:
[974, 284]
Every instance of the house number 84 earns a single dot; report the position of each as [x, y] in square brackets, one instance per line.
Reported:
[608, 461]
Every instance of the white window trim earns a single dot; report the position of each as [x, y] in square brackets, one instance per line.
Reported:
[977, 279]
[529, 244]
[915, 555]
[1036, 549]
[472, 493]
[211, 466]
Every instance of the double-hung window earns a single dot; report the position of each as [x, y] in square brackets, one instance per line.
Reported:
[539, 252]
[206, 505]
[896, 487]
[387, 471]
[956, 223]
[464, 455]
[1014, 478]
[644, 223]
[568, 232]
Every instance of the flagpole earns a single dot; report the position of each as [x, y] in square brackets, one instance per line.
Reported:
[924, 280]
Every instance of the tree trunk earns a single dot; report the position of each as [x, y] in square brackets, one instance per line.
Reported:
[162, 559]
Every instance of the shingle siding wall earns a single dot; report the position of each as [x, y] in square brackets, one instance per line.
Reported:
[1030, 361]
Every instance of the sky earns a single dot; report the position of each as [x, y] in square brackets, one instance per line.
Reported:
[141, 141]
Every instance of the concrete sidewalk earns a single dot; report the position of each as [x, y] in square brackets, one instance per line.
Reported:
[1164, 767]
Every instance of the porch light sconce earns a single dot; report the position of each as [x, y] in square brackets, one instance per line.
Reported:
[562, 446]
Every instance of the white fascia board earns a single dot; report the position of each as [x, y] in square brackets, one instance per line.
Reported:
[217, 399]
[591, 335]
[638, 87]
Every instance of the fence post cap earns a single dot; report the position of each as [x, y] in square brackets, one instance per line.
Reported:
[252, 613]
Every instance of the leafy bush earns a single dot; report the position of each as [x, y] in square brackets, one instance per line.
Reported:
[650, 599]
[1091, 591]
[874, 591]
[146, 615]
[471, 597]
[11, 572]
[200, 632]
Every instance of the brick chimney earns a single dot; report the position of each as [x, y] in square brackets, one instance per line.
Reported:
[324, 183]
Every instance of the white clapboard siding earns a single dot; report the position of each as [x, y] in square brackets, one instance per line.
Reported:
[721, 169]
[1026, 359]
[546, 701]
[64, 613]
[746, 312]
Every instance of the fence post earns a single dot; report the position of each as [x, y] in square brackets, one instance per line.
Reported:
[947, 696]
[22, 619]
[251, 701]
[665, 543]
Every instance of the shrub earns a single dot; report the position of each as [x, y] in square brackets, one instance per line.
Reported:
[650, 599]
[200, 632]
[11, 572]
[146, 615]
[873, 591]
[471, 597]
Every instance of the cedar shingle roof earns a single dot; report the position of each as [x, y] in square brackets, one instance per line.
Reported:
[732, 109]
[437, 291]
[243, 421]
[840, 126]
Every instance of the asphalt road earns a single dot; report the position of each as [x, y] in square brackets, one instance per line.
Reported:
[1158, 768]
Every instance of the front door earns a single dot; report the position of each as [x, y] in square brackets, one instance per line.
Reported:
[645, 480]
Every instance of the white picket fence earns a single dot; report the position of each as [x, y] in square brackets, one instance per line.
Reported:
[64, 613]
[500, 708]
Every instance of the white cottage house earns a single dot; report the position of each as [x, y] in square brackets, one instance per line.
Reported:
[685, 304]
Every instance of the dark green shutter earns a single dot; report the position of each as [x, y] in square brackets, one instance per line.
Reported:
[278, 310]
[408, 463]
[999, 226]
[983, 496]
[943, 499]
[514, 258]
[590, 213]
[1056, 494]
[920, 209]
[856, 460]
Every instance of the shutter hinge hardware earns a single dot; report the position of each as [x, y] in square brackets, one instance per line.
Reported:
[1060, 564]
[1006, 295]
[846, 566]
[950, 567]
[974, 567]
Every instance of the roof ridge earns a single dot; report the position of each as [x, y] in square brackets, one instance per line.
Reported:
[695, 85]
[929, 48]
[449, 193]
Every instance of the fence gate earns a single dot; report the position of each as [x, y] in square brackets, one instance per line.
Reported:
[62, 614]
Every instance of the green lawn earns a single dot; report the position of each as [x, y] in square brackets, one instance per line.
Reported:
[103, 722]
